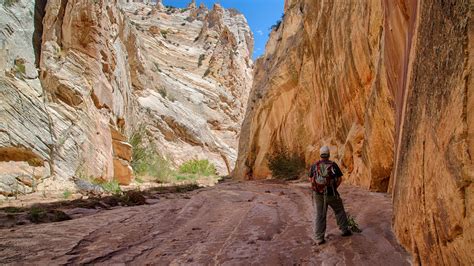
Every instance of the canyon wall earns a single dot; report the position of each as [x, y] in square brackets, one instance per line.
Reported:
[201, 67]
[429, 64]
[322, 82]
[386, 84]
[79, 77]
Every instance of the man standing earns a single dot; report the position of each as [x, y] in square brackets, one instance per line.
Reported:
[325, 177]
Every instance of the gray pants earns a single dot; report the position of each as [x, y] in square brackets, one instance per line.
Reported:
[321, 210]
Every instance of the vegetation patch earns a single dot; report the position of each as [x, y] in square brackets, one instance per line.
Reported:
[162, 91]
[277, 24]
[41, 215]
[9, 3]
[353, 226]
[12, 209]
[199, 167]
[164, 33]
[67, 194]
[286, 165]
[201, 58]
[146, 162]
[112, 187]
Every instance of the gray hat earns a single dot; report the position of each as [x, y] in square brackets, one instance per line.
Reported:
[324, 152]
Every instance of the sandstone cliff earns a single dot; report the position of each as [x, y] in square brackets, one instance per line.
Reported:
[323, 82]
[96, 70]
[387, 85]
[199, 69]
[429, 67]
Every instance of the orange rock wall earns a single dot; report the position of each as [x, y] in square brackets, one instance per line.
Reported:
[322, 82]
[387, 84]
[428, 57]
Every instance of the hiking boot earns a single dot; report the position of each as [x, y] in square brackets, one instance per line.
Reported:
[320, 242]
[346, 233]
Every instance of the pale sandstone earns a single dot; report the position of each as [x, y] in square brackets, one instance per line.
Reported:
[98, 62]
[199, 69]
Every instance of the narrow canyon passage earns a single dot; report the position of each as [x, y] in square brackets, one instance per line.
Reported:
[258, 223]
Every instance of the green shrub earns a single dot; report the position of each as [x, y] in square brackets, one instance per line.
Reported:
[112, 187]
[183, 177]
[36, 214]
[12, 210]
[206, 73]
[67, 194]
[164, 33]
[146, 162]
[285, 165]
[40, 215]
[277, 24]
[201, 58]
[200, 167]
[353, 226]
[163, 92]
[9, 3]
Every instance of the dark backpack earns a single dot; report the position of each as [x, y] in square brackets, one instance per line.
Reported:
[323, 175]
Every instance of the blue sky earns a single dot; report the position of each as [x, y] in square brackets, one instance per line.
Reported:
[260, 14]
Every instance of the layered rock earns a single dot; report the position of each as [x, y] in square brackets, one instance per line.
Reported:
[97, 71]
[26, 139]
[390, 94]
[321, 82]
[199, 62]
[83, 91]
[429, 65]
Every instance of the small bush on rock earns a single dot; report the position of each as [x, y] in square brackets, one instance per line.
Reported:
[146, 162]
[353, 226]
[112, 187]
[285, 165]
[200, 167]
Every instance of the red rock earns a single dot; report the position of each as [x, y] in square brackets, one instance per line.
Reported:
[123, 172]
[122, 150]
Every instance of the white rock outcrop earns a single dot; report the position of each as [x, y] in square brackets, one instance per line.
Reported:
[95, 72]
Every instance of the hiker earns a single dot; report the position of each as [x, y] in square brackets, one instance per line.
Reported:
[325, 176]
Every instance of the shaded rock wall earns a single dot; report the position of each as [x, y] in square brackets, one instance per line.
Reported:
[387, 84]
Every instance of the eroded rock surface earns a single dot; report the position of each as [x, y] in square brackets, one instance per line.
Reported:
[391, 94]
[321, 82]
[78, 78]
[199, 70]
[259, 223]
[430, 62]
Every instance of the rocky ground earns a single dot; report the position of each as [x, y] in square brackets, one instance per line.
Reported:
[259, 223]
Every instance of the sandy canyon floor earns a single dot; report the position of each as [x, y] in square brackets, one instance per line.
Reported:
[233, 223]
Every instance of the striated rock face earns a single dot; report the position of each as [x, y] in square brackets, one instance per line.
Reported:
[26, 139]
[391, 95]
[97, 71]
[321, 82]
[429, 64]
[199, 67]
[86, 79]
